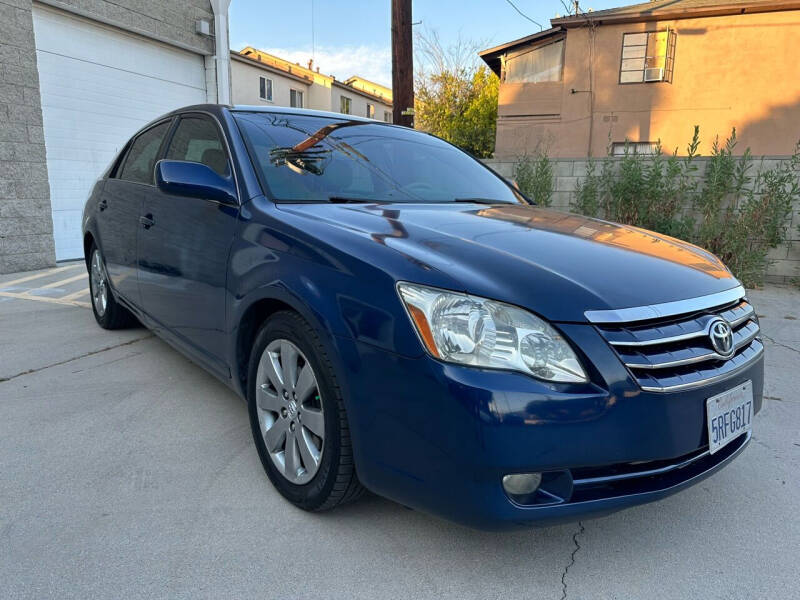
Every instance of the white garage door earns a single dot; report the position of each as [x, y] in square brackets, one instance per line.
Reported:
[99, 85]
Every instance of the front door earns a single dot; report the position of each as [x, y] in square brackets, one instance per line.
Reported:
[184, 245]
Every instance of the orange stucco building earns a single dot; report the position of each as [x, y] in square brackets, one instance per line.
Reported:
[650, 72]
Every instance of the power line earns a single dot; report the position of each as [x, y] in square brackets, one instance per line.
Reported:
[514, 6]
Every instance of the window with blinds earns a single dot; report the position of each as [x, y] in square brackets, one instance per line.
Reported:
[545, 63]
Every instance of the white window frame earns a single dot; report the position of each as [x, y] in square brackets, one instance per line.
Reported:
[269, 87]
[345, 102]
[298, 94]
[370, 111]
[387, 116]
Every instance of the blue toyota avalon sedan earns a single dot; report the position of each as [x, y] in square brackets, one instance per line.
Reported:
[399, 318]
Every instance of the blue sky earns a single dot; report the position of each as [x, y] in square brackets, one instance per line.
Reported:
[353, 36]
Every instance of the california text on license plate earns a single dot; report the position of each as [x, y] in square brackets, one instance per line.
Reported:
[730, 414]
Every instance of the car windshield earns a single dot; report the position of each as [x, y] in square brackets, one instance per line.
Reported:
[308, 158]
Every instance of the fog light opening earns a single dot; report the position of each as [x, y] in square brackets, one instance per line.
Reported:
[521, 484]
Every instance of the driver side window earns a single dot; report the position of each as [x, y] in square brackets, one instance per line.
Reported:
[197, 139]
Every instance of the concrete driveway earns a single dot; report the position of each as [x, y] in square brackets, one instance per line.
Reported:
[128, 472]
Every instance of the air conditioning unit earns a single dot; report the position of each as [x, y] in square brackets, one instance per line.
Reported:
[655, 74]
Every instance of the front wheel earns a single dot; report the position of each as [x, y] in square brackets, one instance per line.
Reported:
[298, 417]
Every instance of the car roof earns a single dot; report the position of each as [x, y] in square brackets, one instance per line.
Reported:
[218, 108]
[301, 111]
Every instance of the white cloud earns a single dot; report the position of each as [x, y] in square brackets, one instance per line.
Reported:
[371, 62]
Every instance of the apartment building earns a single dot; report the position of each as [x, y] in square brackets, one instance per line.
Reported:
[649, 72]
[260, 78]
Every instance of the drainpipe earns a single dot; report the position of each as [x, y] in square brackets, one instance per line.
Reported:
[223, 51]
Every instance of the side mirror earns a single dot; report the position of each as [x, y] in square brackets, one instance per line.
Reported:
[194, 180]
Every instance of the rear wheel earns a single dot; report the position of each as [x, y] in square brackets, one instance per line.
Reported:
[298, 417]
[108, 313]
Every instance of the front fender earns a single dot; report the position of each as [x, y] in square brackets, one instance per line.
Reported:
[276, 263]
[268, 298]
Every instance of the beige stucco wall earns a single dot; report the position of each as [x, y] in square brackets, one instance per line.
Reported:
[245, 86]
[358, 106]
[733, 71]
[319, 95]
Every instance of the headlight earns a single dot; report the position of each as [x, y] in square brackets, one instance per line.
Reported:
[468, 330]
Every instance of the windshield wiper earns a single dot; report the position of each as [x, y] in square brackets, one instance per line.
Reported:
[481, 201]
[345, 200]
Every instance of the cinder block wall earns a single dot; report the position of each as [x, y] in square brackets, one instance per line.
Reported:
[26, 225]
[785, 265]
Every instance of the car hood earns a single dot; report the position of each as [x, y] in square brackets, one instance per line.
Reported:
[554, 263]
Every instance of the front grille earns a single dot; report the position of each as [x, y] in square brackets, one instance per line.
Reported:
[675, 353]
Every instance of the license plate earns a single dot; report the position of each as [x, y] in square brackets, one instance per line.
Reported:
[730, 414]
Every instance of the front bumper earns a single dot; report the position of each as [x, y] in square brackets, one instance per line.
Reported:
[439, 437]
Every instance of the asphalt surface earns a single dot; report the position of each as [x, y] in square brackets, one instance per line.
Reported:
[128, 472]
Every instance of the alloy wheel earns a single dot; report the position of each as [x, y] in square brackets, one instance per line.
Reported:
[99, 283]
[289, 410]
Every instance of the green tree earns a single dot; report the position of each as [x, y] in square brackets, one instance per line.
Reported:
[455, 97]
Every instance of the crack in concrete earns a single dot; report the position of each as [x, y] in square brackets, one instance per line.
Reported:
[74, 358]
[782, 345]
[571, 560]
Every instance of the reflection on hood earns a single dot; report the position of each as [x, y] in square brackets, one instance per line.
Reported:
[611, 234]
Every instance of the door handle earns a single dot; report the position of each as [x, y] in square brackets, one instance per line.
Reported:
[102, 205]
[147, 221]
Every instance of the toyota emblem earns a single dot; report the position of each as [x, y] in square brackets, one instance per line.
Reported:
[721, 336]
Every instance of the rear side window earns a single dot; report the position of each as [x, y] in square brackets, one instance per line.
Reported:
[141, 159]
[197, 139]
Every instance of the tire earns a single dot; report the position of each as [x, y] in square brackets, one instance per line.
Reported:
[323, 475]
[108, 313]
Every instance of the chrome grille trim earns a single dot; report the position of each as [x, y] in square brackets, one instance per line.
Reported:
[700, 328]
[667, 340]
[707, 381]
[701, 331]
[676, 353]
[665, 309]
[749, 313]
[741, 343]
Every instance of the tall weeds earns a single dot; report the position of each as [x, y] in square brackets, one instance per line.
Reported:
[534, 176]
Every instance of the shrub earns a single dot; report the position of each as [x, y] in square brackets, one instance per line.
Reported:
[737, 216]
[534, 176]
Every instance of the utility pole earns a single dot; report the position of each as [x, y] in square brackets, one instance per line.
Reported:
[402, 64]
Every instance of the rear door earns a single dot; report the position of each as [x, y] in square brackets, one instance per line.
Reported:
[183, 251]
[120, 208]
